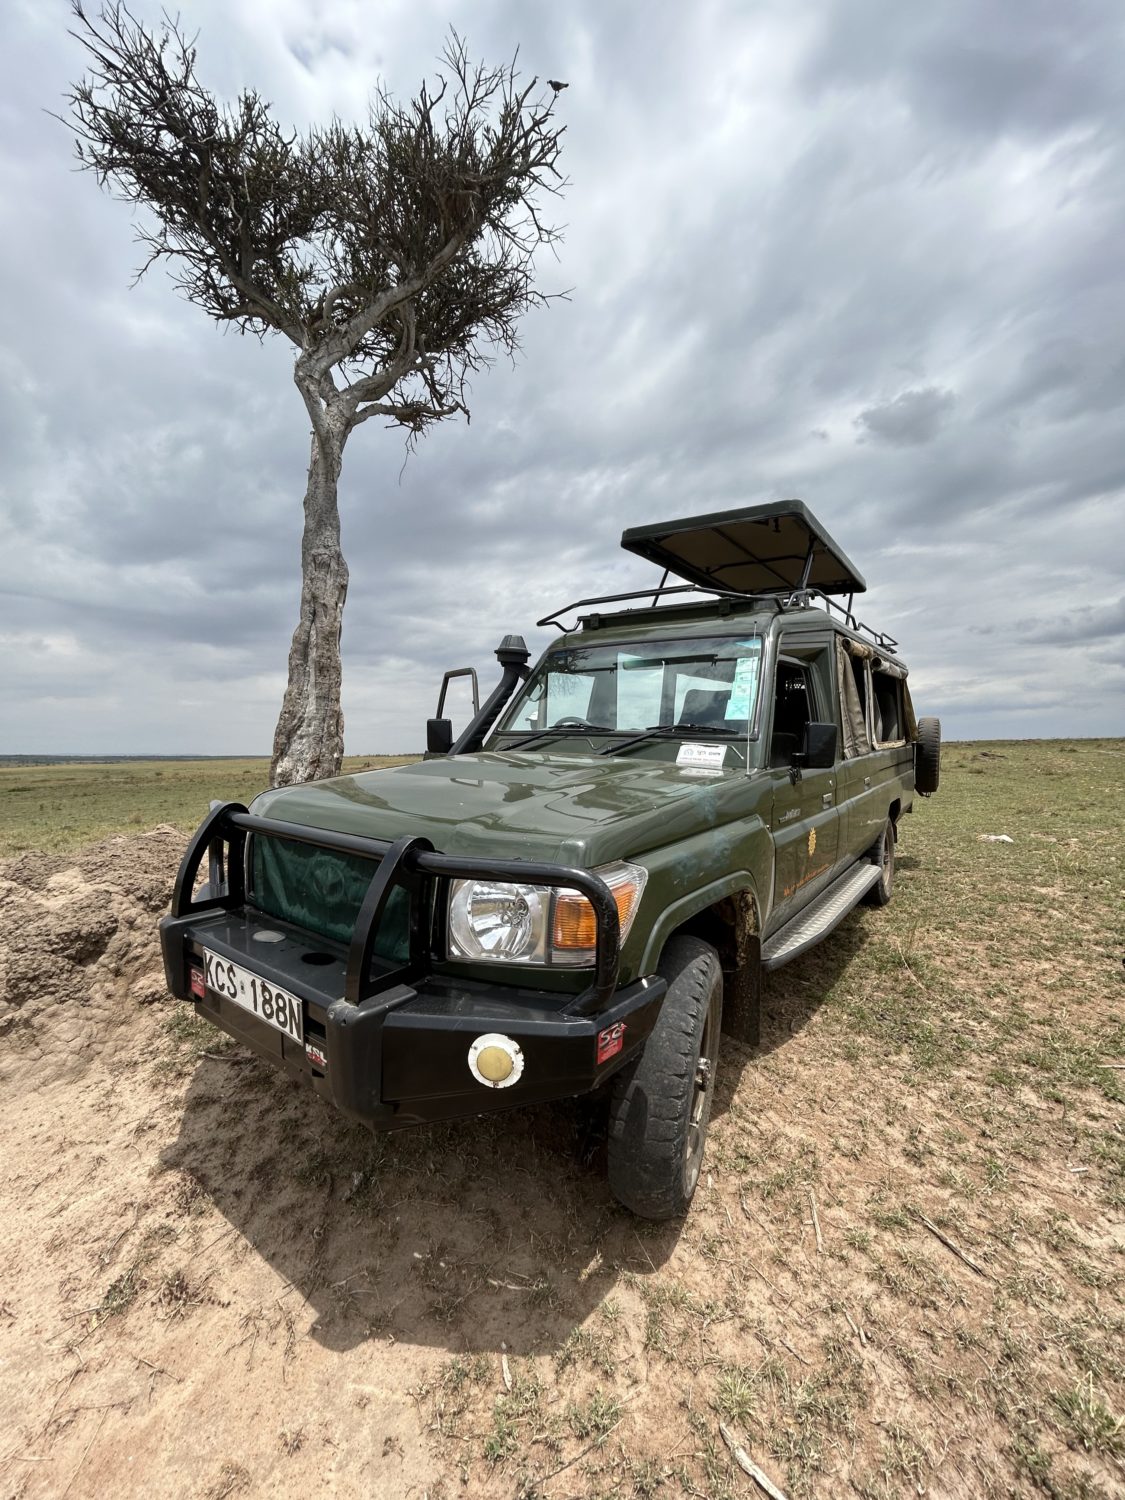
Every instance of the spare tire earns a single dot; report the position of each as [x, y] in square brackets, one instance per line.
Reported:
[927, 756]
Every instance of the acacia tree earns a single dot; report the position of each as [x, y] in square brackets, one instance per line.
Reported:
[396, 257]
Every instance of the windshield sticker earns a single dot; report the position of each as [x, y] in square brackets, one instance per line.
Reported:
[743, 689]
[709, 756]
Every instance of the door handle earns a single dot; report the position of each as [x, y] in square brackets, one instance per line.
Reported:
[826, 800]
[867, 781]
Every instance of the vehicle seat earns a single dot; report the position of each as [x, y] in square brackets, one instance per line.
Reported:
[704, 707]
[790, 716]
[783, 747]
[877, 722]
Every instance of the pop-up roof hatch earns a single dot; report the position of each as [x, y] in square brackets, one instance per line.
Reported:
[762, 549]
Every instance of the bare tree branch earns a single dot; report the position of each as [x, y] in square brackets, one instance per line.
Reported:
[324, 238]
[396, 256]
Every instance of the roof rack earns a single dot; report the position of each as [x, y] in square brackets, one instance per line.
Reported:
[781, 599]
[660, 591]
[800, 599]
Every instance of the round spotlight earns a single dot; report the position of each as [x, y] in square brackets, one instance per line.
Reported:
[495, 1060]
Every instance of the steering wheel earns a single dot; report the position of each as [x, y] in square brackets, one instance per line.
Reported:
[572, 721]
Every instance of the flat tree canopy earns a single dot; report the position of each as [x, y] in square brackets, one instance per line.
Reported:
[396, 256]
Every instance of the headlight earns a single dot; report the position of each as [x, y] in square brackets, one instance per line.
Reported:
[489, 919]
[493, 921]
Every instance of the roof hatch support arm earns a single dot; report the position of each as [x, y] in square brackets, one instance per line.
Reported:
[804, 583]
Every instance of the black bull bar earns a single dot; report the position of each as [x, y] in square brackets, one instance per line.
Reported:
[407, 862]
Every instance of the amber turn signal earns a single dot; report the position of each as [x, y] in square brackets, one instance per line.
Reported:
[574, 930]
[575, 923]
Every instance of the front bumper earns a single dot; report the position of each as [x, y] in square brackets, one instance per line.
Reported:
[393, 1050]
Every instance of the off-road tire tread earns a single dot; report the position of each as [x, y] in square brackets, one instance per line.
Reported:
[646, 1145]
[878, 895]
[927, 757]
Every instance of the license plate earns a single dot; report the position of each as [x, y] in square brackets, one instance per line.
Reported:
[275, 1006]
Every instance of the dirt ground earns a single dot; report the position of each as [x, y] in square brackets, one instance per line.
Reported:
[902, 1274]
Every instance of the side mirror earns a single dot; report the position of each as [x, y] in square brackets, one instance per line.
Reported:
[439, 736]
[471, 673]
[820, 746]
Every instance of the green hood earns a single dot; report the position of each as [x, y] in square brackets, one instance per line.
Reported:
[571, 809]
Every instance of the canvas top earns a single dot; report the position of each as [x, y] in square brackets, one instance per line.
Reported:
[757, 550]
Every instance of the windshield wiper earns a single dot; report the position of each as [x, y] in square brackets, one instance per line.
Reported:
[670, 731]
[564, 730]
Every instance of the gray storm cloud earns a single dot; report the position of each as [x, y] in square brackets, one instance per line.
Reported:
[910, 419]
[867, 254]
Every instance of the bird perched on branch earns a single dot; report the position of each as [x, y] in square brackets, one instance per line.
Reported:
[556, 85]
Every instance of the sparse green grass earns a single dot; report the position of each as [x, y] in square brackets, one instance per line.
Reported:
[590, 1346]
[948, 1057]
[1088, 1420]
[56, 807]
[595, 1417]
[513, 1414]
[736, 1395]
[186, 1039]
[122, 1292]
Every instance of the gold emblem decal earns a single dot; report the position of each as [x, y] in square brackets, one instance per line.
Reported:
[812, 842]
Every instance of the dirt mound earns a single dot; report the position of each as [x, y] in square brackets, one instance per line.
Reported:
[78, 951]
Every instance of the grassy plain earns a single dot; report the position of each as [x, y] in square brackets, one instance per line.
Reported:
[903, 1274]
[905, 1269]
[54, 807]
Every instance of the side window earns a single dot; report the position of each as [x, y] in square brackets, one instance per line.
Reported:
[792, 711]
[859, 672]
[886, 693]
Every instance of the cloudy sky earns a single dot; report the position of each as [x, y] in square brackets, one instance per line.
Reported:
[866, 253]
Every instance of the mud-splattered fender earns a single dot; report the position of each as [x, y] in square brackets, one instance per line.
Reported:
[731, 862]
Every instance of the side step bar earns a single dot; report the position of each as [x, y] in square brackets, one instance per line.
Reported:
[817, 921]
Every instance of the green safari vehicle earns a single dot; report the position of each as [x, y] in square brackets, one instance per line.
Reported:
[696, 783]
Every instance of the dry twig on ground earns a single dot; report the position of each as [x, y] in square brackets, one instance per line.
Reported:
[748, 1466]
[950, 1245]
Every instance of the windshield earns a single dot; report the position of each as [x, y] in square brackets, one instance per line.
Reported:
[710, 682]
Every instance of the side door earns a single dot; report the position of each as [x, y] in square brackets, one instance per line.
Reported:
[805, 821]
[892, 756]
[870, 782]
[856, 797]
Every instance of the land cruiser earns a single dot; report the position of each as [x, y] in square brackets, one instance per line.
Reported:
[583, 889]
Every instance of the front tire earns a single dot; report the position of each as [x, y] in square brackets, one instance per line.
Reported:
[661, 1103]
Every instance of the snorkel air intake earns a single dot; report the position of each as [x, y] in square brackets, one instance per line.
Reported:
[513, 656]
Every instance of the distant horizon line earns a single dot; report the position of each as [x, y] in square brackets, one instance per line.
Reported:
[108, 755]
[41, 758]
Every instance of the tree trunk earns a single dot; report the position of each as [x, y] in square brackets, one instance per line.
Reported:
[308, 743]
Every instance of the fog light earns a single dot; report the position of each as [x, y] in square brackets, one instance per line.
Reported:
[495, 1064]
[495, 1060]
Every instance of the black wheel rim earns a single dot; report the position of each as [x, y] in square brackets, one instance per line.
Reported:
[703, 1086]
